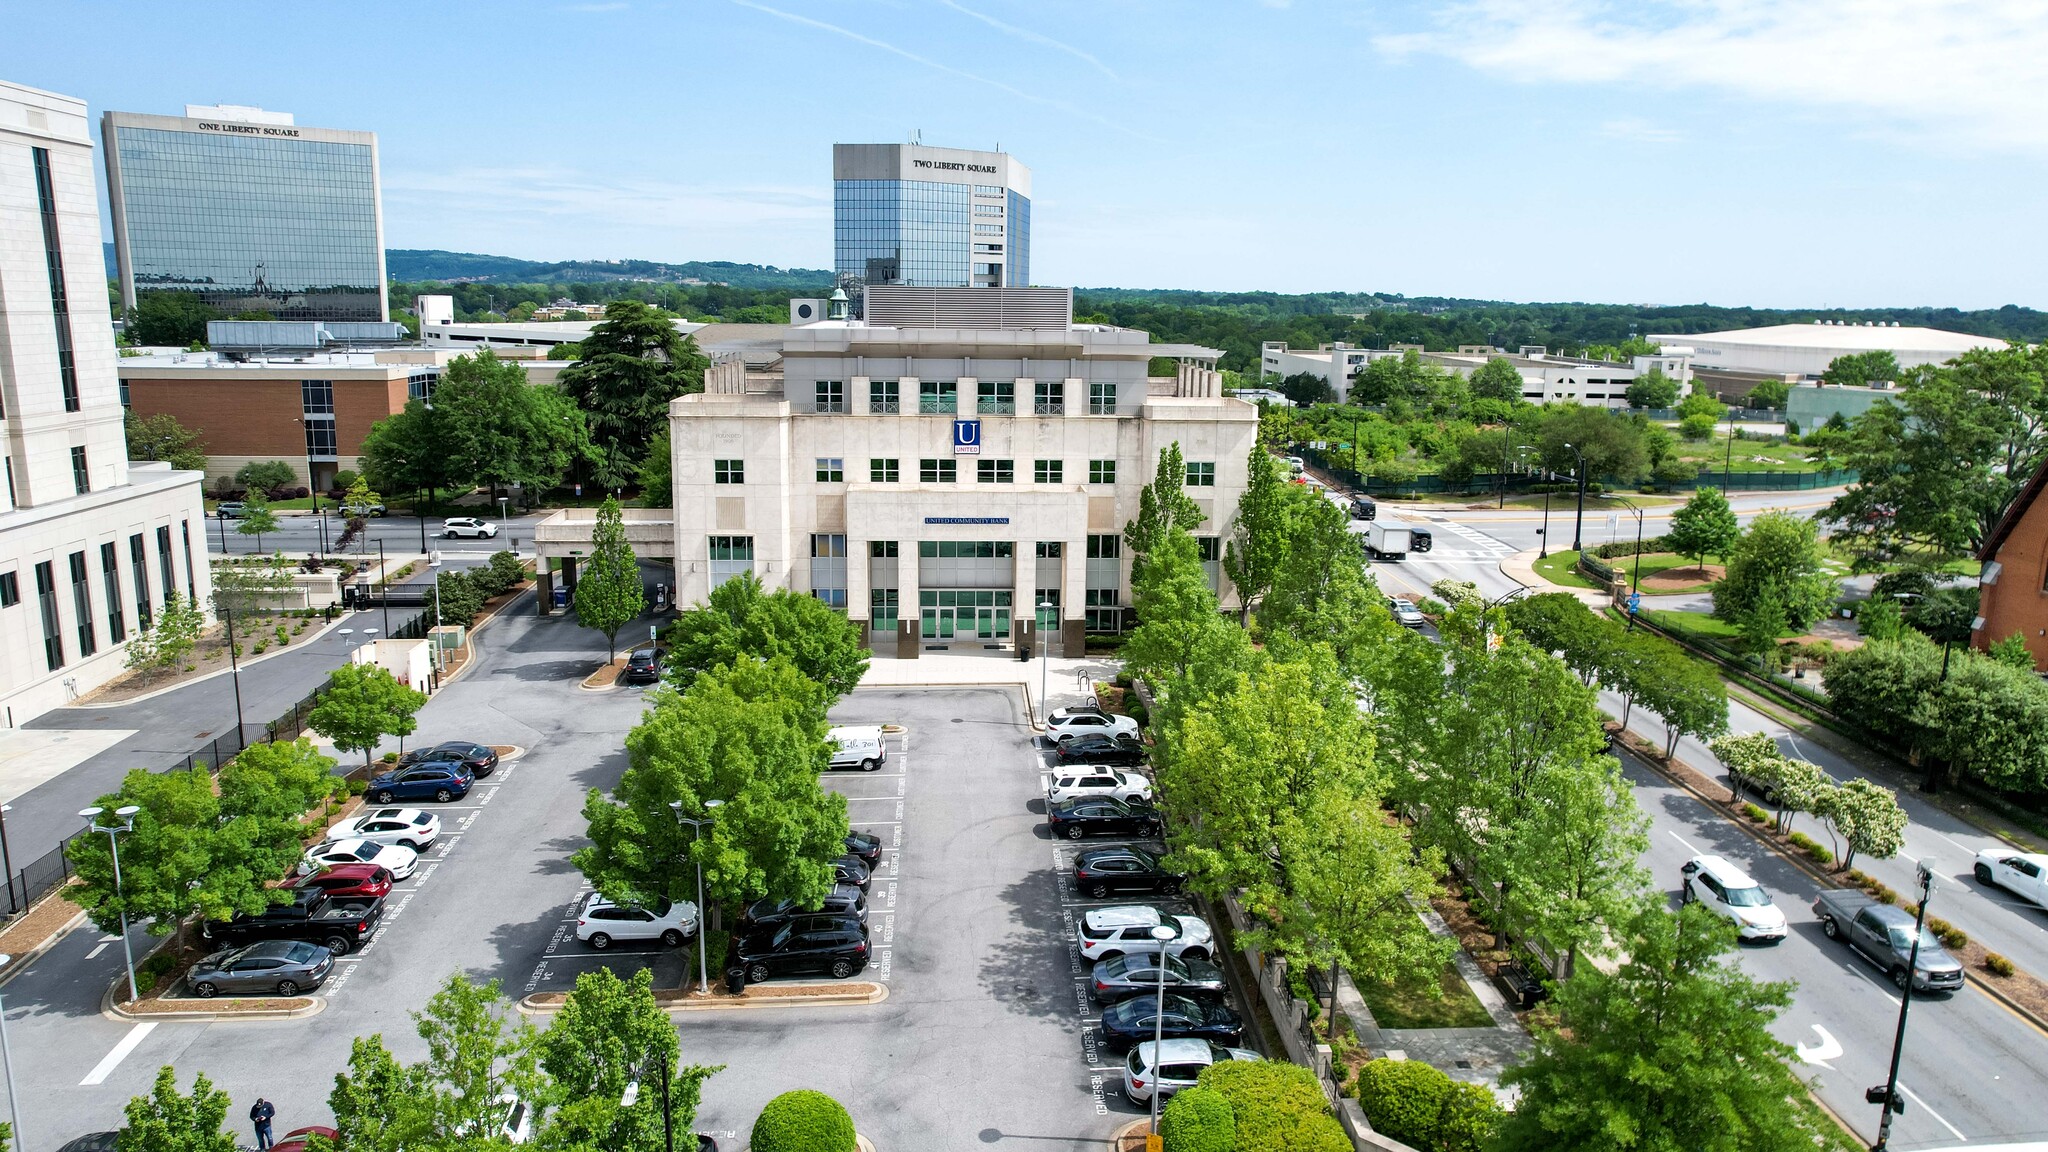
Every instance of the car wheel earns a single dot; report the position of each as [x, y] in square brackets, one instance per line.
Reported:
[870, 765]
[1098, 890]
[1984, 874]
[1073, 832]
[287, 988]
[1899, 978]
[842, 968]
[599, 941]
[442, 795]
[1171, 887]
[384, 797]
[1829, 928]
[339, 945]
[758, 974]
[672, 938]
[205, 990]
[1195, 954]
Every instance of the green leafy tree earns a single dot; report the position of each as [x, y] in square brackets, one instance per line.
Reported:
[1306, 388]
[242, 588]
[163, 643]
[1653, 389]
[750, 734]
[608, 590]
[1704, 526]
[1275, 1107]
[1696, 428]
[656, 476]
[1163, 505]
[1258, 532]
[458, 598]
[632, 365]
[611, 1033]
[2012, 652]
[161, 437]
[1572, 870]
[477, 1053]
[1672, 1050]
[170, 319]
[1613, 444]
[376, 1103]
[804, 1120]
[1759, 626]
[1350, 886]
[277, 781]
[1862, 369]
[168, 1120]
[500, 430]
[361, 705]
[1984, 719]
[257, 518]
[1179, 623]
[1880, 619]
[1863, 818]
[1698, 403]
[1687, 693]
[406, 452]
[742, 620]
[1497, 379]
[1779, 557]
[262, 477]
[1769, 394]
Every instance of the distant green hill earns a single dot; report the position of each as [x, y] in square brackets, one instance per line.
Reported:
[414, 264]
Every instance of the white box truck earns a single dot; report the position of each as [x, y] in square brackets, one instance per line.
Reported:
[1386, 539]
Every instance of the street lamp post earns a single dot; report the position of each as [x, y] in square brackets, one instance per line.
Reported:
[92, 824]
[7, 1059]
[234, 665]
[632, 1095]
[1635, 582]
[1543, 534]
[384, 574]
[696, 834]
[1888, 1095]
[1160, 933]
[1579, 524]
[7, 861]
[1505, 440]
[434, 565]
[1044, 663]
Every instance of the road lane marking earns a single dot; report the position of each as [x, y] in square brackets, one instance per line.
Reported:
[113, 1059]
[95, 953]
[1828, 1049]
[1682, 840]
[1915, 1097]
[1860, 974]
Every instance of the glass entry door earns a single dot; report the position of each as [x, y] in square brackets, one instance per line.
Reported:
[964, 614]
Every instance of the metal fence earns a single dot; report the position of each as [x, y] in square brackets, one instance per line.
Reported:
[1335, 465]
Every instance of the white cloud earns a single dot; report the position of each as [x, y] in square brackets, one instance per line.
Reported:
[1033, 37]
[1640, 131]
[1970, 72]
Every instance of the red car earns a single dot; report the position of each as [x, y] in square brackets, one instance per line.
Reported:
[295, 1140]
[369, 881]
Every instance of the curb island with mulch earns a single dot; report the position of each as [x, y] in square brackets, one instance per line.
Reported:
[606, 676]
[756, 996]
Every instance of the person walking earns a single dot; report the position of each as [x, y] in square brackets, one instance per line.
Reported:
[260, 1115]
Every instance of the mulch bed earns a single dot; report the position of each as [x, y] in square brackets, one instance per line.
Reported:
[42, 920]
[606, 674]
[720, 996]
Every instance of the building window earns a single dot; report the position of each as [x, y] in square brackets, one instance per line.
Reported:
[1209, 549]
[320, 439]
[883, 397]
[420, 385]
[81, 475]
[988, 229]
[138, 565]
[191, 587]
[828, 568]
[831, 470]
[728, 472]
[1048, 600]
[110, 574]
[882, 608]
[938, 396]
[317, 396]
[1201, 474]
[938, 471]
[995, 397]
[988, 210]
[1049, 549]
[730, 556]
[1047, 471]
[165, 566]
[1049, 397]
[831, 395]
[995, 471]
[1102, 397]
[46, 598]
[1100, 612]
[81, 602]
[966, 549]
[881, 471]
[1105, 546]
[60, 299]
[883, 550]
[1102, 471]
[10, 589]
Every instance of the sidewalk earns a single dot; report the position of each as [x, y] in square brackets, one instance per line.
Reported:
[1061, 679]
[1521, 568]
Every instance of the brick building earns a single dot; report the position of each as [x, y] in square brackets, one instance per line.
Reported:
[2014, 584]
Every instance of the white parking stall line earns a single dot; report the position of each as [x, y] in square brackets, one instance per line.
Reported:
[1915, 1098]
[95, 953]
[1681, 840]
[113, 1059]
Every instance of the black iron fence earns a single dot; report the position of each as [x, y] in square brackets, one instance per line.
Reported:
[1335, 464]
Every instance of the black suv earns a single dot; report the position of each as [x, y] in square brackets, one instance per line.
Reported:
[1364, 508]
[1100, 871]
[478, 758]
[843, 901]
[834, 944]
[643, 666]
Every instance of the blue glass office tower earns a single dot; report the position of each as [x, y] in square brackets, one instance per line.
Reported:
[930, 217]
[247, 210]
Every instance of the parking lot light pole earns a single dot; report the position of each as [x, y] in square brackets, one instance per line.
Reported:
[1579, 525]
[7, 1059]
[1161, 934]
[92, 823]
[1044, 663]
[7, 863]
[696, 834]
[1889, 1094]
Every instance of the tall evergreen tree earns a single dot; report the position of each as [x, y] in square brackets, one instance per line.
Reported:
[608, 590]
[633, 364]
[1162, 506]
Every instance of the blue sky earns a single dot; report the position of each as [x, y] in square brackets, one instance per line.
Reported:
[1823, 152]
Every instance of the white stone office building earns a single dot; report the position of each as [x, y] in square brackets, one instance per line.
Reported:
[1545, 378]
[89, 544]
[956, 480]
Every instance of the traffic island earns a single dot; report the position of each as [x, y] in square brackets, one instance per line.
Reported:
[842, 992]
[162, 1005]
[606, 677]
[1131, 1137]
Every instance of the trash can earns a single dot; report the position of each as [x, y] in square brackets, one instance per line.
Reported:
[735, 980]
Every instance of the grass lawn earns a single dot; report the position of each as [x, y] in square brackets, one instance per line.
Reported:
[1710, 455]
[1414, 1006]
[1655, 563]
[1562, 568]
[1697, 623]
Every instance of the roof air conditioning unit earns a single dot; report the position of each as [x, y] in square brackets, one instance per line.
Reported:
[806, 311]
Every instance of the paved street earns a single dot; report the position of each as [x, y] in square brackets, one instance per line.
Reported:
[305, 532]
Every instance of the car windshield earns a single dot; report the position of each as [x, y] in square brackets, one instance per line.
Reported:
[1902, 939]
[1751, 897]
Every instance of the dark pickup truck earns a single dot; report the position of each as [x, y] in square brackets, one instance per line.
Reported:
[341, 924]
[1884, 935]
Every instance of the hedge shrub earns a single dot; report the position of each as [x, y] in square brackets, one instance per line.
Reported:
[803, 1121]
[1469, 1119]
[1276, 1107]
[1403, 1099]
[1197, 1120]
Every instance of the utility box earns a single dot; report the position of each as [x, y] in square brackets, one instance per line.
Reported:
[446, 636]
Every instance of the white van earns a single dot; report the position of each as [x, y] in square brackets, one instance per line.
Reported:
[859, 746]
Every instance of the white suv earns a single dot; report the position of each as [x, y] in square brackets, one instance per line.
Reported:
[1180, 1063]
[1066, 723]
[1726, 890]
[1074, 783]
[468, 526]
[1126, 929]
[603, 922]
